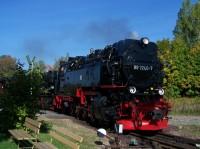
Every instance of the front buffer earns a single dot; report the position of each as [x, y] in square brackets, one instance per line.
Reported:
[144, 116]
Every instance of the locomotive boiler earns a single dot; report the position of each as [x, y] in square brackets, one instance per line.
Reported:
[120, 84]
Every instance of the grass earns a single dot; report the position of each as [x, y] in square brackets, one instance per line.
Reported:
[44, 137]
[185, 106]
[6, 142]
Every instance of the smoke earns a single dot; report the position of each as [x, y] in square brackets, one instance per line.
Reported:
[133, 35]
[45, 44]
[110, 30]
[35, 47]
[74, 36]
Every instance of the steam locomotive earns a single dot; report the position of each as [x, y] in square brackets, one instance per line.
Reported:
[120, 84]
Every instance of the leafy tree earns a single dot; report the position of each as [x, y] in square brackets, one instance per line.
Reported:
[181, 67]
[164, 54]
[191, 84]
[20, 98]
[7, 66]
[188, 23]
[41, 66]
[181, 55]
[57, 62]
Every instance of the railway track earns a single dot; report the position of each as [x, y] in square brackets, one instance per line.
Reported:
[167, 141]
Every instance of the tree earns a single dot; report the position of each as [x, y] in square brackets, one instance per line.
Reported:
[41, 66]
[20, 98]
[7, 66]
[180, 56]
[164, 54]
[188, 23]
[57, 62]
[181, 67]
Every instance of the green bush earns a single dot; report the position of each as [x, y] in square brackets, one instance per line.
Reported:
[46, 127]
[20, 99]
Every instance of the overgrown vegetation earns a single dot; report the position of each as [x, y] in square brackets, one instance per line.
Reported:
[20, 98]
[185, 106]
[46, 126]
[180, 56]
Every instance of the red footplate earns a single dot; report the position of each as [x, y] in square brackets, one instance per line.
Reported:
[129, 125]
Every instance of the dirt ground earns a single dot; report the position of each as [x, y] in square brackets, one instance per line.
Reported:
[188, 126]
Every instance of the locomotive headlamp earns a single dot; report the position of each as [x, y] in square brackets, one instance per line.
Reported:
[132, 90]
[161, 91]
[145, 41]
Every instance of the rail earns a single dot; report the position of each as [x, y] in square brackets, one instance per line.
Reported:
[163, 141]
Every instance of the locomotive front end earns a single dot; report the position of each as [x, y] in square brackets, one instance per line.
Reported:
[143, 107]
[140, 65]
[146, 114]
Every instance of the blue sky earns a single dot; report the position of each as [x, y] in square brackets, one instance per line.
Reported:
[49, 29]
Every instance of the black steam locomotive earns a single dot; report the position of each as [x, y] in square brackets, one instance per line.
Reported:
[121, 83]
